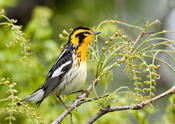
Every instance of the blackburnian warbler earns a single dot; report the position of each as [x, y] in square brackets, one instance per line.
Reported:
[69, 72]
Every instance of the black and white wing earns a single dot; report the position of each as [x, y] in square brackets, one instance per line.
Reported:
[55, 75]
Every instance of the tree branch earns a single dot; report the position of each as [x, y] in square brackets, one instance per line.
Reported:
[141, 105]
[77, 102]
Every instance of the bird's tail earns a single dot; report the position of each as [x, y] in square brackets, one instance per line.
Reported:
[36, 97]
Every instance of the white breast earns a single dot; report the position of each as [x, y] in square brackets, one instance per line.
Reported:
[73, 80]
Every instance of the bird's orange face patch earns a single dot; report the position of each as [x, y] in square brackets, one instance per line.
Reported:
[88, 37]
[82, 41]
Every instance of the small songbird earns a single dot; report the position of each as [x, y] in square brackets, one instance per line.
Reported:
[69, 72]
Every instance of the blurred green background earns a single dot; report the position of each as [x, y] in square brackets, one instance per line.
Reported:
[43, 20]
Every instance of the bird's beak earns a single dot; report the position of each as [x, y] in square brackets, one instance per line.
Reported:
[95, 33]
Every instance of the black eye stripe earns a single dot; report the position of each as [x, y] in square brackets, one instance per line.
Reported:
[79, 34]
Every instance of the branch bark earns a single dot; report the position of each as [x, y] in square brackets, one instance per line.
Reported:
[141, 105]
[77, 102]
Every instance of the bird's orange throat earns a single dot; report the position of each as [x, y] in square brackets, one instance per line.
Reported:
[82, 51]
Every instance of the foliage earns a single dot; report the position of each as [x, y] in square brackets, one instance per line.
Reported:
[114, 49]
[10, 107]
[138, 56]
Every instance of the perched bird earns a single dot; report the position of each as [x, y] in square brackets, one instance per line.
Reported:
[69, 72]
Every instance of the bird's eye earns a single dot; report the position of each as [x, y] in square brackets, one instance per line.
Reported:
[86, 34]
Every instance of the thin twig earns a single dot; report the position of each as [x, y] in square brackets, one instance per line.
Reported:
[141, 105]
[137, 40]
[89, 100]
